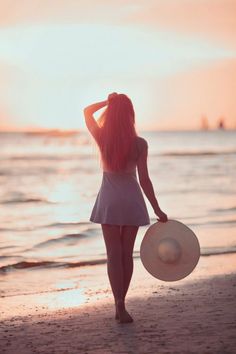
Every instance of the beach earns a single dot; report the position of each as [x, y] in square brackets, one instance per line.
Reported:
[194, 315]
[55, 296]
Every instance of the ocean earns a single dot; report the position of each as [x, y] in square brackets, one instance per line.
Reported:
[49, 183]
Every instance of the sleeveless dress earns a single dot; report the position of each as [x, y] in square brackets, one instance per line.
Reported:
[120, 200]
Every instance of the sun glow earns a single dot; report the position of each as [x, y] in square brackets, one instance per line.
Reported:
[50, 71]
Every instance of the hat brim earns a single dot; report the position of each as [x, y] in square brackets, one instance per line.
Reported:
[189, 245]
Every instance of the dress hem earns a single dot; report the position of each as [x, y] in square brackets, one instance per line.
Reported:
[123, 224]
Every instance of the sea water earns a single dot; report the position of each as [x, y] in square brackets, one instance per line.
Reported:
[49, 183]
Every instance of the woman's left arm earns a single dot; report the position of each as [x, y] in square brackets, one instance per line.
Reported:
[89, 118]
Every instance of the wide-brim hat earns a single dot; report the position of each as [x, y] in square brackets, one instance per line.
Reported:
[169, 250]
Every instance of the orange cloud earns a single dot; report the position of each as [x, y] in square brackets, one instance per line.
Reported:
[185, 97]
[215, 20]
[40, 11]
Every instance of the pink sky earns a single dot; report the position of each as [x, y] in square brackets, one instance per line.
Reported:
[175, 59]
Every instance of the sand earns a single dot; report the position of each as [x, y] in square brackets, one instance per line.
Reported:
[195, 315]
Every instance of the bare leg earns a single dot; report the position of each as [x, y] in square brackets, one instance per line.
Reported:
[112, 238]
[129, 234]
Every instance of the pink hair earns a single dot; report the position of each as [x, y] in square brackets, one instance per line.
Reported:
[117, 132]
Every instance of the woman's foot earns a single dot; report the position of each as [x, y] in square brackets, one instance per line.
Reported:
[122, 314]
[124, 317]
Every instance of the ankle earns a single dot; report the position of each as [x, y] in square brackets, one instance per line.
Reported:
[120, 303]
[120, 300]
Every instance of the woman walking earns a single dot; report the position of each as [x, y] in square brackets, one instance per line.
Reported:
[120, 207]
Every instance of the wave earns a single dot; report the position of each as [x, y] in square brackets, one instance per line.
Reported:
[63, 224]
[207, 251]
[84, 223]
[49, 264]
[214, 222]
[25, 200]
[83, 156]
[65, 238]
[47, 157]
[196, 153]
[7, 247]
[206, 223]
[220, 210]
[27, 264]
[57, 225]
[214, 251]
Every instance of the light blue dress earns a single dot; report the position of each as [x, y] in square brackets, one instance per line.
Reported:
[120, 199]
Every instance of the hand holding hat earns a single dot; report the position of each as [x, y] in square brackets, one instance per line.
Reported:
[162, 216]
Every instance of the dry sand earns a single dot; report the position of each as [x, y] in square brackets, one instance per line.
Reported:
[195, 315]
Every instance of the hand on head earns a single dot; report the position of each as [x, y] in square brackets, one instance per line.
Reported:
[111, 95]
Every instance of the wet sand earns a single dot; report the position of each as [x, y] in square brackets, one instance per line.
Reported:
[195, 315]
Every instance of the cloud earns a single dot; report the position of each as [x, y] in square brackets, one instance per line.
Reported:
[183, 98]
[62, 67]
[102, 50]
[9, 73]
[214, 20]
[13, 12]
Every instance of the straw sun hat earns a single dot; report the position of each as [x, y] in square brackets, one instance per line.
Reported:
[169, 251]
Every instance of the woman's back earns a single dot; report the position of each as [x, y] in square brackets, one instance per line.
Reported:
[137, 147]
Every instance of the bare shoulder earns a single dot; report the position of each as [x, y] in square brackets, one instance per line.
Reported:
[142, 143]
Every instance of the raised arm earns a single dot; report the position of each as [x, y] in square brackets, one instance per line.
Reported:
[146, 182]
[89, 118]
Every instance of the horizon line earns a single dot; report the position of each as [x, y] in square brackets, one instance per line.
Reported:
[77, 131]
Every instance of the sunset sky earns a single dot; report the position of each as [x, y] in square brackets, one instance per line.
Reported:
[176, 59]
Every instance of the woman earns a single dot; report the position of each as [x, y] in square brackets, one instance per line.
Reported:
[120, 207]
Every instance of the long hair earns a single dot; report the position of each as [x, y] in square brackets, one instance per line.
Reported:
[117, 132]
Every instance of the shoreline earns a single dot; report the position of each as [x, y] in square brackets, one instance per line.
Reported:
[195, 315]
[88, 283]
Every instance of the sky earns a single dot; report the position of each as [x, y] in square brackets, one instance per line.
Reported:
[175, 59]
